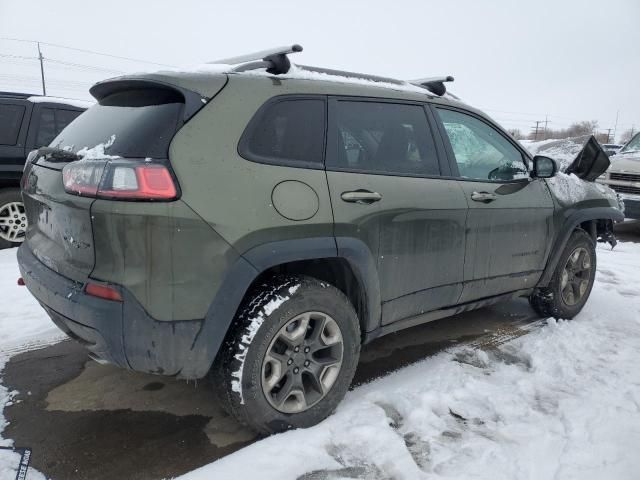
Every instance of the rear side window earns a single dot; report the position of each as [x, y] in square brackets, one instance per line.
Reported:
[10, 122]
[52, 122]
[378, 137]
[135, 123]
[46, 127]
[288, 132]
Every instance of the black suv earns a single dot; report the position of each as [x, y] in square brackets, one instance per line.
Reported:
[26, 122]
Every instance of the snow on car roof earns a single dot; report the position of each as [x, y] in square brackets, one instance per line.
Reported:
[62, 101]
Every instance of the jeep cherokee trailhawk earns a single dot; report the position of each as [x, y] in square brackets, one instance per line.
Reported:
[259, 222]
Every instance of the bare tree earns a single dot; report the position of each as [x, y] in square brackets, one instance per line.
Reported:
[516, 133]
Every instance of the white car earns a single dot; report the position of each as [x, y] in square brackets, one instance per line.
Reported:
[623, 176]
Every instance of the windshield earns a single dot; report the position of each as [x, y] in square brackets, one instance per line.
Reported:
[633, 145]
[134, 123]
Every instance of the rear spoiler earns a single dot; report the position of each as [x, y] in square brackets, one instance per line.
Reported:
[192, 101]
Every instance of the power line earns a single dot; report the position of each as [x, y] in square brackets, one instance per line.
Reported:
[20, 57]
[83, 66]
[83, 50]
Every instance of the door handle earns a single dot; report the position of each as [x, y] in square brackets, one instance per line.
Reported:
[484, 197]
[364, 197]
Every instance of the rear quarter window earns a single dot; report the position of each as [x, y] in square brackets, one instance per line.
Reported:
[287, 132]
[10, 122]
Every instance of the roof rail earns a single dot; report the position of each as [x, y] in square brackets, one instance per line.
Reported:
[275, 60]
[342, 73]
[434, 84]
[17, 94]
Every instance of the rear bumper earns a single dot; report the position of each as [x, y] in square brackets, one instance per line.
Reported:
[122, 333]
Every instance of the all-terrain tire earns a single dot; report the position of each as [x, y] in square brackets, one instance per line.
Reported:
[238, 374]
[9, 196]
[549, 301]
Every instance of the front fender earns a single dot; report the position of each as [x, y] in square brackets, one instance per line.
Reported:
[569, 225]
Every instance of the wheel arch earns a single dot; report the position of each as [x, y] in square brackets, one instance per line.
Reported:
[597, 222]
[346, 263]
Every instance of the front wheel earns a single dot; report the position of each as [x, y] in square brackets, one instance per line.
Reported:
[13, 219]
[291, 355]
[572, 280]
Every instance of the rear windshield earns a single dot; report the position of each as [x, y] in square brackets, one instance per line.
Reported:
[133, 123]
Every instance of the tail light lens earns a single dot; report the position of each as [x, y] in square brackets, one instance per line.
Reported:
[103, 291]
[120, 179]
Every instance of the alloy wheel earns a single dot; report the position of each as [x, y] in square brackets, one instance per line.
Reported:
[302, 362]
[576, 276]
[13, 222]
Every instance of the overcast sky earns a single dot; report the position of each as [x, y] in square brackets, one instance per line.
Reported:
[519, 61]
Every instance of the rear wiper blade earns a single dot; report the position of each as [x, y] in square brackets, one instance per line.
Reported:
[57, 154]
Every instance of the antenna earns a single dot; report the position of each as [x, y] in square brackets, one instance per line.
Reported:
[275, 60]
[434, 84]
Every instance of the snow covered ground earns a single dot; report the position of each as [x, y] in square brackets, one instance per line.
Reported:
[562, 401]
[23, 326]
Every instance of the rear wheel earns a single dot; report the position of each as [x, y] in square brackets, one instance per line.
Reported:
[572, 281]
[13, 219]
[291, 355]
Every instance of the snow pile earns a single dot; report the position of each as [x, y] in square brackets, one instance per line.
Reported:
[569, 189]
[564, 151]
[561, 402]
[23, 325]
[23, 322]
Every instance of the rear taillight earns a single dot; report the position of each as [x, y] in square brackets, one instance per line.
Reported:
[120, 179]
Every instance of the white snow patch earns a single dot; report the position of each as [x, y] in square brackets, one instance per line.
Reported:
[97, 152]
[563, 151]
[562, 402]
[60, 100]
[24, 325]
[568, 188]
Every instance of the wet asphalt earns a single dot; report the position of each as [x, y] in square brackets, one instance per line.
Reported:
[89, 421]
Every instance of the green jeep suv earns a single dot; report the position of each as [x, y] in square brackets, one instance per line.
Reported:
[258, 222]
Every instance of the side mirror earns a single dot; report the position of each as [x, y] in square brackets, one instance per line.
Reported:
[544, 167]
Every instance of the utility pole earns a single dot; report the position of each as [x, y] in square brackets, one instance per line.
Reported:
[536, 128]
[41, 58]
[546, 121]
[609, 135]
[615, 128]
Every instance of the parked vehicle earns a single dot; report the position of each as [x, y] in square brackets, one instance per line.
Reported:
[261, 226]
[624, 177]
[26, 122]
[611, 148]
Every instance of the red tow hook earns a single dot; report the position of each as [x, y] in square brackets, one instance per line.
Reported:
[21, 281]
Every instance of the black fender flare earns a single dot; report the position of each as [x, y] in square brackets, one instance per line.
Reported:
[569, 225]
[252, 263]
